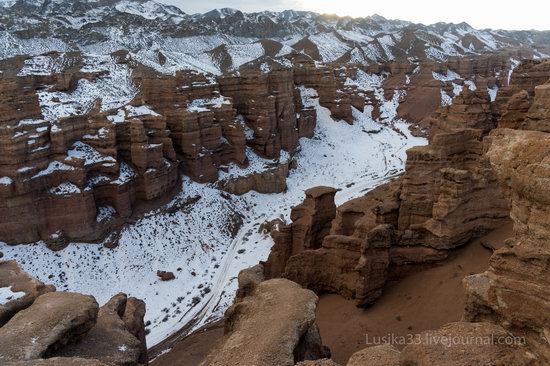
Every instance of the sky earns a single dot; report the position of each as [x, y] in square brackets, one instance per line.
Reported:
[503, 14]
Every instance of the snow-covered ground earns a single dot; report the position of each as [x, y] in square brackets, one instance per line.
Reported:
[206, 237]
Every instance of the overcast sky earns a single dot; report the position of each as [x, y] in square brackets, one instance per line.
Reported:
[503, 14]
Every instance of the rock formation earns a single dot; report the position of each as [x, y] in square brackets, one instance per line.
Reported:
[434, 208]
[514, 291]
[78, 177]
[67, 328]
[271, 323]
[447, 196]
[310, 224]
[12, 277]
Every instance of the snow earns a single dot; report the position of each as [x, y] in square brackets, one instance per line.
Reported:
[256, 164]
[330, 47]
[445, 98]
[126, 174]
[206, 238]
[40, 66]
[355, 35]
[457, 89]
[204, 105]
[105, 213]
[147, 10]
[514, 63]
[265, 68]
[65, 189]
[386, 42]
[373, 82]
[114, 89]
[54, 167]
[470, 84]
[244, 53]
[7, 295]
[143, 110]
[117, 118]
[5, 181]
[90, 155]
[123, 348]
[493, 93]
[450, 75]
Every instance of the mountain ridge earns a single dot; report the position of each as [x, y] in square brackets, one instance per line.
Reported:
[146, 28]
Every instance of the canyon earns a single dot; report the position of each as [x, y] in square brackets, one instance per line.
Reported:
[187, 173]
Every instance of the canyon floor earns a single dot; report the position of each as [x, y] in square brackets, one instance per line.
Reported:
[425, 300]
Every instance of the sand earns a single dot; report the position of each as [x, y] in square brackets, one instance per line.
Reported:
[189, 351]
[421, 301]
[418, 302]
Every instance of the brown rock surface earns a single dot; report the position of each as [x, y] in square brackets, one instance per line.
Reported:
[470, 109]
[109, 340]
[514, 291]
[54, 320]
[270, 180]
[310, 224]
[275, 325]
[447, 197]
[166, 276]
[12, 276]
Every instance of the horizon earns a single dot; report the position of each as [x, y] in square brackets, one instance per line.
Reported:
[500, 17]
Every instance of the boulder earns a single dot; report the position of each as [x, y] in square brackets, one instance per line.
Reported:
[273, 326]
[166, 276]
[54, 320]
[110, 341]
[11, 276]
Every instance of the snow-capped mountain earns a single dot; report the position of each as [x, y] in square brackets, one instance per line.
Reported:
[224, 39]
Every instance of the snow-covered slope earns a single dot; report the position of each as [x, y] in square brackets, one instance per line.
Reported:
[206, 239]
[146, 27]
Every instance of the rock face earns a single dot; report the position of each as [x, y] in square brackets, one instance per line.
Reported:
[267, 103]
[449, 193]
[54, 320]
[69, 328]
[12, 277]
[310, 224]
[109, 340]
[77, 178]
[74, 178]
[330, 83]
[470, 109]
[274, 324]
[399, 224]
[447, 196]
[514, 291]
[272, 179]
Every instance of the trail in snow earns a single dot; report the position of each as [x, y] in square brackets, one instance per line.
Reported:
[206, 238]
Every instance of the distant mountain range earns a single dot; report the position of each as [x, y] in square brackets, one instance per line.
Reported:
[167, 39]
